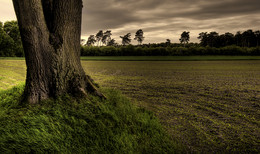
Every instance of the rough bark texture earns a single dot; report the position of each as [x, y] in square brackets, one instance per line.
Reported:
[50, 31]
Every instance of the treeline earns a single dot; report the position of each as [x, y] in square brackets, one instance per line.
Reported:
[247, 38]
[176, 50]
[10, 40]
[242, 43]
[212, 43]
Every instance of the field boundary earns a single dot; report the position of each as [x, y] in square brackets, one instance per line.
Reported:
[156, 58]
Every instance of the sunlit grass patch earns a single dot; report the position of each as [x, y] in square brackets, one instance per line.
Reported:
[12, 72]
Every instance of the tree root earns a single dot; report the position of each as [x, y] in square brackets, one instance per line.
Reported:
[92, 87]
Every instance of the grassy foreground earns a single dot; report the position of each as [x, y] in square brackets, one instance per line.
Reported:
[67, 125]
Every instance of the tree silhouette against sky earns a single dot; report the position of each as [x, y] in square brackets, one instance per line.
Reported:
[139, 36]
[126, 39]
[185, 38]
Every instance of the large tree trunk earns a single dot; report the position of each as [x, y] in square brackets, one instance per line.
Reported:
[50, 31]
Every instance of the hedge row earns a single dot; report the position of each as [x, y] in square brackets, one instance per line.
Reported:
[131, 50]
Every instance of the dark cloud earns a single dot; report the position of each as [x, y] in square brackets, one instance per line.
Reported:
[161, 19]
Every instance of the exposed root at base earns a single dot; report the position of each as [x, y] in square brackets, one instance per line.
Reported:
[92, 87]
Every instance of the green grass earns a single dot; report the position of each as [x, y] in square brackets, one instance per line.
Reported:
[12, 58]
[12, 72]
[67, 125]
[155, 58]
[207, 106]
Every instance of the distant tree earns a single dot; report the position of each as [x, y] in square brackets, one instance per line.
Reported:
[10, 39]
[213, 39]
[91, 40]
[99, 37]
[221, 40]
[126, 39]
[139, 36]
[82, 41]
[229, 39]
[6, 43]
[106, 37]
[203, 37]
[12, 29]
[238, 38]
[185, 37]
[168, 42]
[225, 40]
[112, 42]
[248, 38]
[257, 35]
[2, 34]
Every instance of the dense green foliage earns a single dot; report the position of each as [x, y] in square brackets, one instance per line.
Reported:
[151, 50]
[10, 40]
[67, 125]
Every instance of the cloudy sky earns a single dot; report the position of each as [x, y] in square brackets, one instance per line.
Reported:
[162, 19]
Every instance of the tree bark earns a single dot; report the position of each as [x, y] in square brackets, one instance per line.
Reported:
[50, 31]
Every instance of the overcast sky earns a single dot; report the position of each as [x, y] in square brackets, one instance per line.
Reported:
[162, 19]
